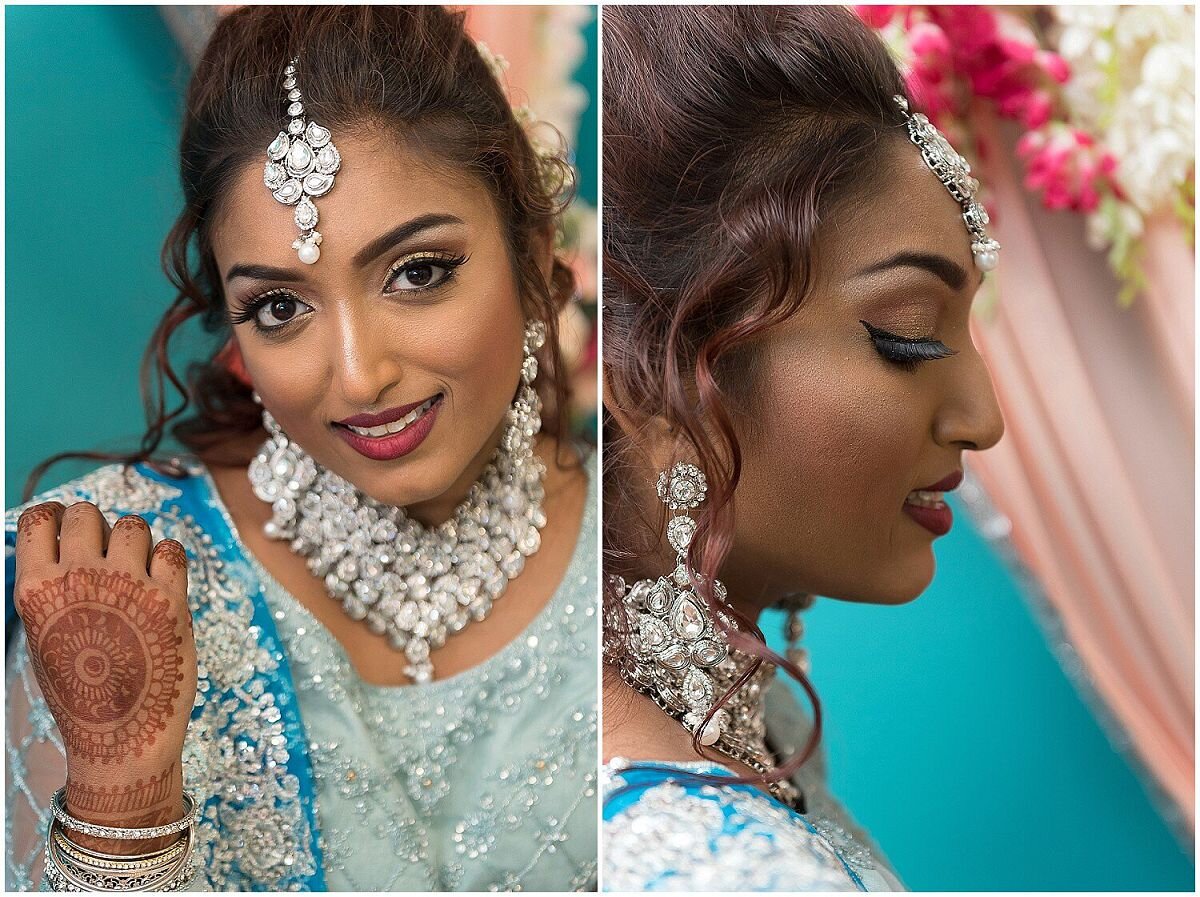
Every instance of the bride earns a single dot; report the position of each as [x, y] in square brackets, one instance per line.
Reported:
[791, 253]
[347, 642]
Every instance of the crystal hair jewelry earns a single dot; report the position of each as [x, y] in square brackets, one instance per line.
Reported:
[677, 654]
[414, 584]
[954, 171]
[301, 164]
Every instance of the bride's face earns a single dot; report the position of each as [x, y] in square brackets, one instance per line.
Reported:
[412, 315]
[841, 434]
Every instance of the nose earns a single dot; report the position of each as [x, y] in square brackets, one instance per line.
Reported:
[970, 418]
[364, 360]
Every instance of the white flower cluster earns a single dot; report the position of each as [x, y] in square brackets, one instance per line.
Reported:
[1133, 86]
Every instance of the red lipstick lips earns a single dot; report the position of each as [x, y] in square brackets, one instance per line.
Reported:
[390, 446]
[945, 484]
[383, 417]
[937, 516]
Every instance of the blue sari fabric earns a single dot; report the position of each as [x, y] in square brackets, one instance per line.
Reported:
[665, 830]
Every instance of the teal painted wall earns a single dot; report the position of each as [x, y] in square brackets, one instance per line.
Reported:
[954, 736]
[587, 160]
[92, 101]
[952, 733]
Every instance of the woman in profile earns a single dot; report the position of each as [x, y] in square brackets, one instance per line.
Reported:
[370, 229]
[791, 253]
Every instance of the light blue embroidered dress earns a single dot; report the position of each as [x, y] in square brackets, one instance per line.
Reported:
[663, 831]
[312, 779]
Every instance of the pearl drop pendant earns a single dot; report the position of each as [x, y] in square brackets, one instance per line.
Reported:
[309, 253]
[986, 259]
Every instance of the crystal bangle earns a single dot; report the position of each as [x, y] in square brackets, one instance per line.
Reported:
[123, 834]
[170, 872]
[158, 858]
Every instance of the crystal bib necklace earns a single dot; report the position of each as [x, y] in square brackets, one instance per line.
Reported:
[415, 584]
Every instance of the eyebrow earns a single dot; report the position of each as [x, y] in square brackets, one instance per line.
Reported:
[405, 231]
[368, 253]
[949, 272]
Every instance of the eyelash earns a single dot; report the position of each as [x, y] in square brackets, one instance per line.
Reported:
[438, 259]
[907, 353]
[250, 308]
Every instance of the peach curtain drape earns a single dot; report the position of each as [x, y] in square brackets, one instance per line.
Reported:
[1096, 470]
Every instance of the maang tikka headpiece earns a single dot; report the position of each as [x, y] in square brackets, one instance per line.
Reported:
[301, 164]
[954, 171]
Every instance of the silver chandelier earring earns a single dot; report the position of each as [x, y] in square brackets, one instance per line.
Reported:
[680, 657]
[301, 164]
[416, 585]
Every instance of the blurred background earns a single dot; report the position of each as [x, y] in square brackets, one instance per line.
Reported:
[93, 110]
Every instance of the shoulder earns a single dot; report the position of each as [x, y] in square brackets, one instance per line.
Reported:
[120, 488]
[664, 830]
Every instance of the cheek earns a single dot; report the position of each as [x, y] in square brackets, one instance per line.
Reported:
[831, 459]
[473, 347]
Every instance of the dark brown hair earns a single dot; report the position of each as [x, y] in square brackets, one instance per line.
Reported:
[410, 72]
[732, 134]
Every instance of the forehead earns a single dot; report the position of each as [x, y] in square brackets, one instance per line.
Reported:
[907, 209]
[382, 182]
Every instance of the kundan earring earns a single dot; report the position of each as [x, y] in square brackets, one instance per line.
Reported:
[678, 654]
[795, 605]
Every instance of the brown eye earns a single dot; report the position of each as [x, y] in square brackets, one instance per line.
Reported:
[278, 311]
[274, 312]
[283, 309]
[422, 273]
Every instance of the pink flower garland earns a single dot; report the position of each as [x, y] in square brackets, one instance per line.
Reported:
[958, 53]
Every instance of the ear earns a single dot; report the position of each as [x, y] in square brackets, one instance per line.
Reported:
[230, 358]
[653, 439]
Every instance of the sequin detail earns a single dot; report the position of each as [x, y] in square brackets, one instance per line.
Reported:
[667, 836]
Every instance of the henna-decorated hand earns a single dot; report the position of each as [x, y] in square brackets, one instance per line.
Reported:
[110, 639]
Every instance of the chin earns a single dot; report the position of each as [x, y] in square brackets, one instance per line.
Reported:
[900, 584]
[913, 584]
[407, 484]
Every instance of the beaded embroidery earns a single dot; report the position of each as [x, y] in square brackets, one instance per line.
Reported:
[511, 817]
[712, 838]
